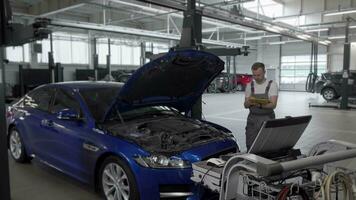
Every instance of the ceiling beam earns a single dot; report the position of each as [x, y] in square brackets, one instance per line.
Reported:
[227, 16]
[133, 31]
[46, 8]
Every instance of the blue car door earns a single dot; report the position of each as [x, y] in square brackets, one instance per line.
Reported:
[32, 123]
[69, 136]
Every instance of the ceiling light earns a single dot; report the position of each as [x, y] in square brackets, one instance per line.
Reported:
[248, 19]
[268, 36]
[304, 36]
[325, 42]
[317, 30]
[336, 37]
[272, 29]
[280, 42]
[352, 26]
[254, 38]
[340, 12]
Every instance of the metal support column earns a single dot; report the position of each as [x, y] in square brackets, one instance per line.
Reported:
[346, 69]
[4, 162]
[108, 59]
[22, 86]
[95, 60]
[191, 37]
[228, 73]
[51, 64]
[234, 75]
[143, 53]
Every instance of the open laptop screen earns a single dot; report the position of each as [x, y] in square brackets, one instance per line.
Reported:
[278, 134]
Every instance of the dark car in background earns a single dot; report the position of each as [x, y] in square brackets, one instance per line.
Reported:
[329, 85]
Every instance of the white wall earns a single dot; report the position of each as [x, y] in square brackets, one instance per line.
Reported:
[336, 56]
[244, 63]
[353, 56]
[308, 7]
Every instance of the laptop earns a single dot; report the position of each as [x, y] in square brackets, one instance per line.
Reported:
[279, 134]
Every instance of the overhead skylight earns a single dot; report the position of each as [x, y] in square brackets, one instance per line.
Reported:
[268, 8]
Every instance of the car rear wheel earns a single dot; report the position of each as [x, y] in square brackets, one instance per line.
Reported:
[16, 146]
[328, 94]
[117, 181]
[239, 87]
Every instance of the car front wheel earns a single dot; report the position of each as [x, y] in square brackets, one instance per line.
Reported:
[117, 182]
[328, 94]
[16, 146]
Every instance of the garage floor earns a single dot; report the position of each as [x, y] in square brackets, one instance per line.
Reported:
[38, 182]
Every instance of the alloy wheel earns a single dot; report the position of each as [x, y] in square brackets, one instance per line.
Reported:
[15, 144]
[329, 94]
[115, 183]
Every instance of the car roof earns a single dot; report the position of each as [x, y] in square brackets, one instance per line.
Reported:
[86, 84]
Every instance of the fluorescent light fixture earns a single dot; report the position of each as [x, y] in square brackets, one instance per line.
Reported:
[248, 19]
[254, 38]
[352, 26]
[341, 12]
[316, 30]
[304, 36]
[272, 29]
[269, 36]
[336, 37]
[324, 42]
[274, 43]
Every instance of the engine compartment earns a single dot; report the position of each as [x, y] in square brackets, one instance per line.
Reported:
[167, 134]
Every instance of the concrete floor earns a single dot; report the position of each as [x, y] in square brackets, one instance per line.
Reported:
[37, 182]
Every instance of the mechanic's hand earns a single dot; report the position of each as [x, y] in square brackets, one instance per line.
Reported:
[250, 102]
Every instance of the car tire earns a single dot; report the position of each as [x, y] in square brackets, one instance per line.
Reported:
[239, 87]
[116, 178]
[16, 147]
[211, 88]
[328, 94]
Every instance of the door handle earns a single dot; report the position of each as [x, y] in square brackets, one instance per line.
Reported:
[90, 147]
[47, 123]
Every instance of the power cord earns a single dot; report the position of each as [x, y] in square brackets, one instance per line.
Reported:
[292, 190]
[202, 180]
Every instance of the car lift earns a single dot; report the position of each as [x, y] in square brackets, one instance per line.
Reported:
[12, 34]
[344, 103]
[334, 104]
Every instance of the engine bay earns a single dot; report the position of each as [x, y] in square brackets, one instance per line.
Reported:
[167, 134]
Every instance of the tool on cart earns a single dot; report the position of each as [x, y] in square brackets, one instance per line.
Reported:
[272, 169]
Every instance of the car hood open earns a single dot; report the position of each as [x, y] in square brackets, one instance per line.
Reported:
[176, 79]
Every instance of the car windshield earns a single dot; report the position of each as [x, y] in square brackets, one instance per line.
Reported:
[98, 100]
[148, 111]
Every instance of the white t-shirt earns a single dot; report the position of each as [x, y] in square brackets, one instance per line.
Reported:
[261, 88]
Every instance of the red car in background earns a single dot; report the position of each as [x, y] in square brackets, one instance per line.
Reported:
[222, 83]
[241, 80]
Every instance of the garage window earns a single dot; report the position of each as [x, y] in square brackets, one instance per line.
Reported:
[68, 49]
[295, 69]
[18, 54]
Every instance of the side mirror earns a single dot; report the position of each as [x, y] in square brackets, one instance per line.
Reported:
[68, 114]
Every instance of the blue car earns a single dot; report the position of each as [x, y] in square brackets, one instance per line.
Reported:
[131, 141]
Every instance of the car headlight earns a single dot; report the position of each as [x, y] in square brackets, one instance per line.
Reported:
[160, 161]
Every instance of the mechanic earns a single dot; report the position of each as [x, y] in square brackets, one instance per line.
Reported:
[261, 97]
